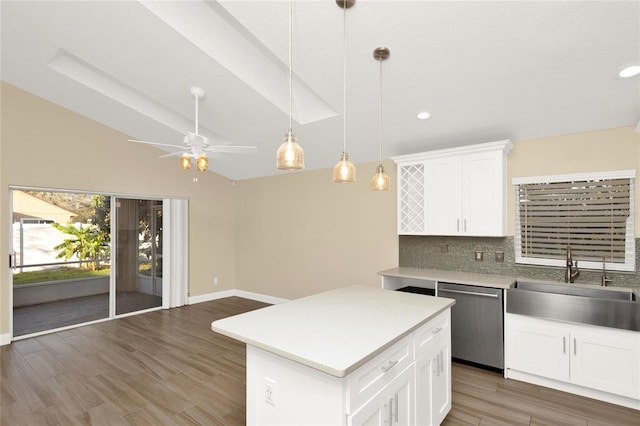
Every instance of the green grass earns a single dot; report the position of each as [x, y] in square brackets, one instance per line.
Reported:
[60, 274]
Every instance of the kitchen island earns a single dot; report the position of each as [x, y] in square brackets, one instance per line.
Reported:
[353, 355]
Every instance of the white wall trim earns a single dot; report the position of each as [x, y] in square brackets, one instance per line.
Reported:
[238, 293]
[5, 339]
[571, 388]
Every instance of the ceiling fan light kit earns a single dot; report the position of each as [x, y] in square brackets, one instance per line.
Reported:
[195, 146]
[202, 163]
[290, 155]
[344, 171]
[185, 162]
[380, 180]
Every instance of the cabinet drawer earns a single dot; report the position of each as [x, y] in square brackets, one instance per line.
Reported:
[432, 331]
[370, 378]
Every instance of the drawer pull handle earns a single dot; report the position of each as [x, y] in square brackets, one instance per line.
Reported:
[388, 366]
[436, 330]
[397, 407]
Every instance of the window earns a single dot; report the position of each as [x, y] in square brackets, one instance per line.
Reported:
[593, 213]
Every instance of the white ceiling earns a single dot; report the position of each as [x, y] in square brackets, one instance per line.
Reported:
[485, 70]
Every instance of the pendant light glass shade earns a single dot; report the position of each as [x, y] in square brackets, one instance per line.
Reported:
[290, 155]
[185, 162]
[202, 163]
[344, 171]
[380, 180]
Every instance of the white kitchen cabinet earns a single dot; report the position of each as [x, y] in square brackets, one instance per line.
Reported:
[608, 360]
[458, 191]
[603, 359]
[537, 347]
[433, 385]
[393, 405]
[283, 391]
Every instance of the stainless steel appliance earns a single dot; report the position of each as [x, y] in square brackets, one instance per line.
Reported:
[476, 323]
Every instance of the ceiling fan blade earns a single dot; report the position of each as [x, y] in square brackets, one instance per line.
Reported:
[156, 143]
[174, 154]
[219, 156]
[232, 149]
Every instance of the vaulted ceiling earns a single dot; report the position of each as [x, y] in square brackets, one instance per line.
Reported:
[485, 70]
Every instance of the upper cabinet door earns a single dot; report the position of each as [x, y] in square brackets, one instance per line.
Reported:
[443, 196]
[483, 195]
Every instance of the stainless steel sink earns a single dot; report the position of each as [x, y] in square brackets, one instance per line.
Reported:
[572, 290]
[603, 307]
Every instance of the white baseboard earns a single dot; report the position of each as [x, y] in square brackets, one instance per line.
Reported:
[571, 388]
[5, 339]
[238, 293]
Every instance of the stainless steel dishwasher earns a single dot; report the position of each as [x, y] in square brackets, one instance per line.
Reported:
[476, 323]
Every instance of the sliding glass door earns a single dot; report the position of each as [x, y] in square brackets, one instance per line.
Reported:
[139, 241]
[60, 259]
[82, 257]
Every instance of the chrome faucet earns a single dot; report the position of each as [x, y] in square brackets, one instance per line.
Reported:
[571, 272]
[604, 281]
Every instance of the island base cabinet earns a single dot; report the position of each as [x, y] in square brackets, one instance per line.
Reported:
[433, 386]
[299, 395]
[407, 383]
[391, 406]
[597, 362]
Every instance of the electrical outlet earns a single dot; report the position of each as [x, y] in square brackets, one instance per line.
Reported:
[215, 280]
[500, 256]
[479, 256]
[444, 248]
[270, 391]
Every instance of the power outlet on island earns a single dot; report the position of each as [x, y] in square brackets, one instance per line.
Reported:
[270, 391]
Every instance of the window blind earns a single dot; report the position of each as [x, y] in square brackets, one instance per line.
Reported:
[593, 216]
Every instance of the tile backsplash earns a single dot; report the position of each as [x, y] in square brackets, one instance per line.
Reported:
[459, 254]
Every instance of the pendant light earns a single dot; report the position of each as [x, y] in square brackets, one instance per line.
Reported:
[380, 180]
[344, 171]
[290, 155]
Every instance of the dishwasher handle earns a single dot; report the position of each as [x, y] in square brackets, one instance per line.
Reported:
[470, 293]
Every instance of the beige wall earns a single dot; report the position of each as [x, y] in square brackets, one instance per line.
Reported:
[287, 236]
[43, 145]
[603, 150]
[300, 233]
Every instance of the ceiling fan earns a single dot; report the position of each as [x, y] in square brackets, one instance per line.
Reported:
[196, 146]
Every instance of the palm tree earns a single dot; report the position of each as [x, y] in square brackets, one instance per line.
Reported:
[89, 243]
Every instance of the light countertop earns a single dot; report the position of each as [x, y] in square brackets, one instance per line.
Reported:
[480, 280]
[335, 331]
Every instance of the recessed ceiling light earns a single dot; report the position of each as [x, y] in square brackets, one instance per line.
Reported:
[630, 71]
[424, 115]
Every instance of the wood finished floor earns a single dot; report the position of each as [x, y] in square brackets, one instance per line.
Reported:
[168, 368]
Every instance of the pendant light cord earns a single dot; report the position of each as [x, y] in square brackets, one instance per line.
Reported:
[344, 78]
[380, 59]
[290, 65]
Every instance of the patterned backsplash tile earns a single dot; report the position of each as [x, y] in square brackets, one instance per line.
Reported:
[459, 253]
